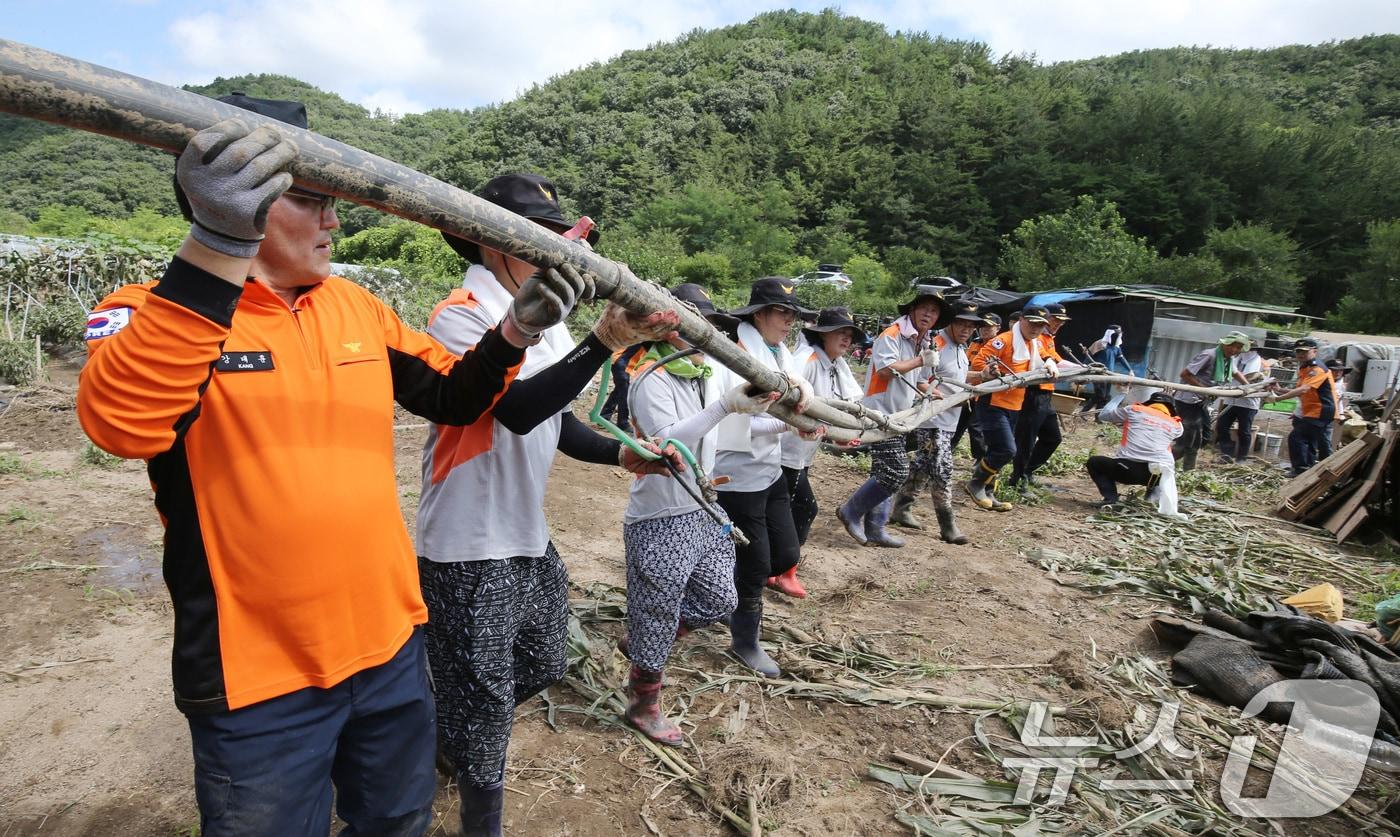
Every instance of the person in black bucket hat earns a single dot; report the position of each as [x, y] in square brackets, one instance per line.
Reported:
[487, 565]
[679, 560]
[750, 454]
[931, 467]
[821, 360]
[529, 196]
[899, 373]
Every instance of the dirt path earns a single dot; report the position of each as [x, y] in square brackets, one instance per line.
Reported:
[90, 741]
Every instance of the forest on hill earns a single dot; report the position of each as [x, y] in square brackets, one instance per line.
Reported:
[766, 147]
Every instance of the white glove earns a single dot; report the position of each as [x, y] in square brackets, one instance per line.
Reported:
[805, 389]
[737, 400]
[929, 358]
[1052, 369]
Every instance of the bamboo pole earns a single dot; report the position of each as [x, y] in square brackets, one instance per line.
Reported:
[43, 85]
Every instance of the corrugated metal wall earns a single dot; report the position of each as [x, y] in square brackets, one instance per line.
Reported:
[1180, 332]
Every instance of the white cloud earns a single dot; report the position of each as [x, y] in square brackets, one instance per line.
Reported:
[407, 55]
[1071, 29]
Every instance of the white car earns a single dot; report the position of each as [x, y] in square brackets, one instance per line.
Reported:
[826, 274]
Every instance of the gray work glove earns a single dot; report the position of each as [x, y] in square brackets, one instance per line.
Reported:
[546, 299]
[231, 177]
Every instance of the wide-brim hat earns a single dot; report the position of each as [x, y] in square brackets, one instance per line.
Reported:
[923, 292]
[773, 291]
[527, 195]
[697, 296]
[1239, 338]
[834, 319]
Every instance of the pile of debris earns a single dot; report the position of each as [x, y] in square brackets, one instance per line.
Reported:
[1359, 482]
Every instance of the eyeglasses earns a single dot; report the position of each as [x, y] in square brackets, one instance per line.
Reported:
[324, 202]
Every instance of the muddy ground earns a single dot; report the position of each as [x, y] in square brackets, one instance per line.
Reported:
[90, 742]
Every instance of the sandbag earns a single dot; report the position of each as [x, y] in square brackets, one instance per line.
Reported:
[1228, 671]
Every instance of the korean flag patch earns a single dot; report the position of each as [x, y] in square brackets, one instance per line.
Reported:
[106, 323]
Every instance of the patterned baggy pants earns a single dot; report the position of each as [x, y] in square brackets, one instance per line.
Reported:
[932, 467]
[680, 571]
[496, 632]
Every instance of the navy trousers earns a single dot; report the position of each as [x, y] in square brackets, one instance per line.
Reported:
[1309, 443]
[998, 435]
[268, 769]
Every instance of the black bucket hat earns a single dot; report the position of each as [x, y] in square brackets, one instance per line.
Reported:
[527, 195]
[969, 311]
[922, 292]
[700, 298]
[283, 110]
[1161, 397]
[773, 291]
[834, 319]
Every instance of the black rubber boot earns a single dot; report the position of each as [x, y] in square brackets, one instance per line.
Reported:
[903, 514]
[948, 528]
[481, 809]
[744, 627]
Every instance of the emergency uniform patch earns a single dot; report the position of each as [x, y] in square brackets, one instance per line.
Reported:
[106, 323]
[997, 344]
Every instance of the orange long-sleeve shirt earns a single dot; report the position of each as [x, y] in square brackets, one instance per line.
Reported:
[1001, 349]
[269, 438]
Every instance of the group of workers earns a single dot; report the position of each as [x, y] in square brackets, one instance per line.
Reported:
[321, 657]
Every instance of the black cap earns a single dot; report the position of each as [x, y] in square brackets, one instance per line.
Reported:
[1335, 365]
[968, 311]
[1304, 343]
[1057, 311]
[1161, 397]
[834, 319]
[992, 318]
[1035, 313]
[527, 195]
[283, 110]
[773, 290]
[923, 292]
[700, 298]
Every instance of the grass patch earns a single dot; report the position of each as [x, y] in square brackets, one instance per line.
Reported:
[99, 458]
[11, 464]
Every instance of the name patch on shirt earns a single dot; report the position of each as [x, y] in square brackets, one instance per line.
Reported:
[106, 323]
[252, 360]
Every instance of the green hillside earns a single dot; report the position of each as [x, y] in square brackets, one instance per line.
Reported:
[796, 138]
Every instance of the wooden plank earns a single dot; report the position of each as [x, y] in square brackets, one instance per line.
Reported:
[1301, 493]
[1344, 519]
[1350, 526]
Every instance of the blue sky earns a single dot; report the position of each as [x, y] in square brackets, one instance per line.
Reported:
[405, 56]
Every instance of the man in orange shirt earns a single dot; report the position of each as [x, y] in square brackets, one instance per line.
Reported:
[261, 391]
[1310, 441]
[1016, 350]
[1038, 425]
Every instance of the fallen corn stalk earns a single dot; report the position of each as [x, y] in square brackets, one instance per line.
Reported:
[42, 85]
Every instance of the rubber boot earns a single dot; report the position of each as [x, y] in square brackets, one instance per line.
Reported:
[481, 809]
[948, 528]
[875, 533]
[743, 637]
[979, 488]
[644, 708]
[852, 513]
[903, 514]
[787, 584]
[1188, 460]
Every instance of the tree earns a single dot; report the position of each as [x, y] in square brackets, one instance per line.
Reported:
[1258, 264]
[1086, 244]
[1373, 304]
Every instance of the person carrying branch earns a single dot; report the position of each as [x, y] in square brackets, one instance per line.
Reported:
[496, 588]
[900, 365]
[932, 466]
[680, 560]
[1038, 425]
[260, 389]
[1014, 351]
[750, 454]
[821, 360]
[1210, 367]
[967, 422]
[1310, 441]
[1146, 449]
